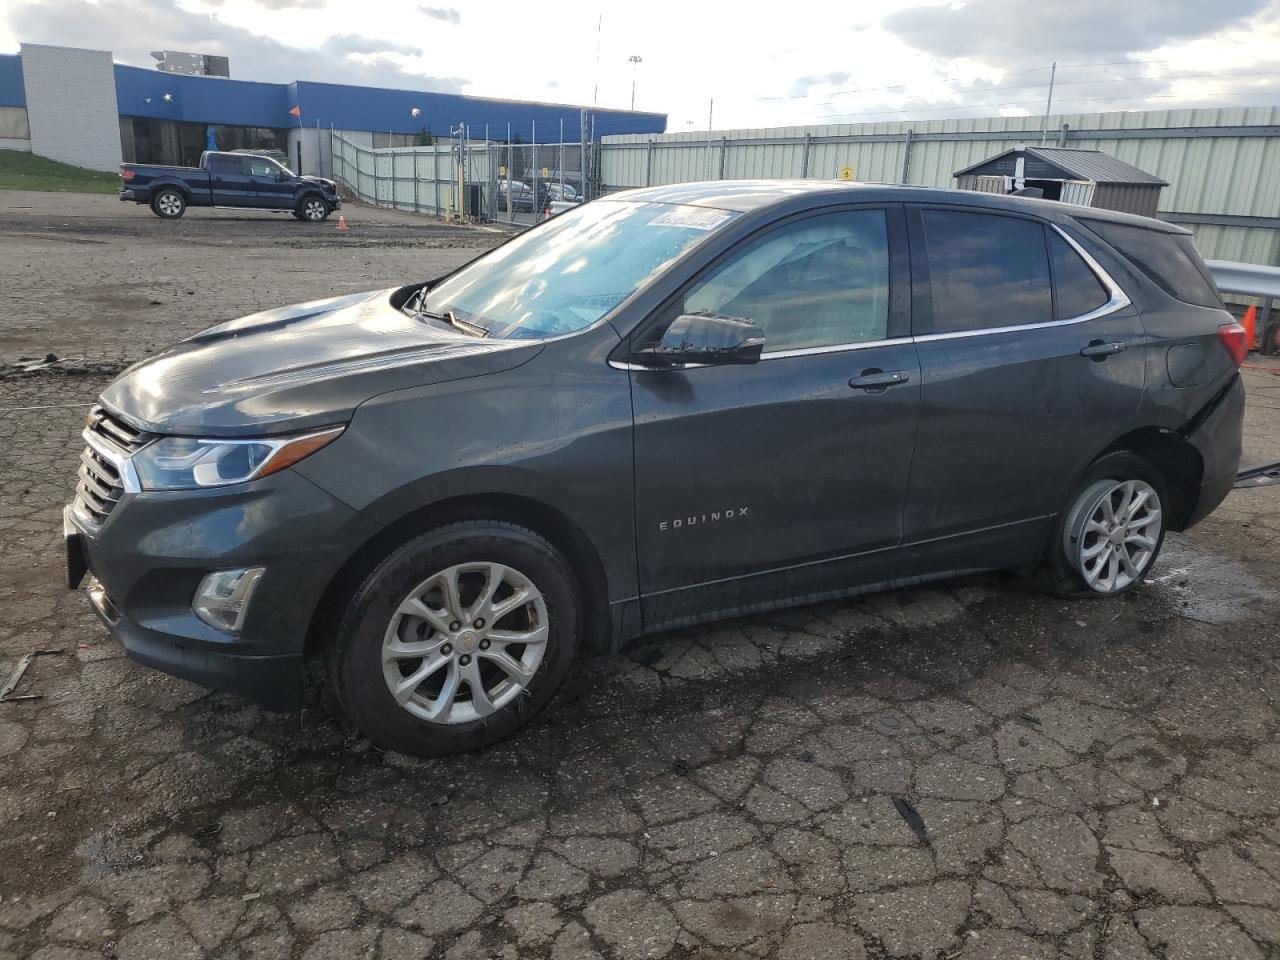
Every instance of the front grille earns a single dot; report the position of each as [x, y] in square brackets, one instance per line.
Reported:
[100, 485]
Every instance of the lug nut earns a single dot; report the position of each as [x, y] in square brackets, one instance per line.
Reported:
[447, 649]
[479, 622]
[455, 627]
[464, 660]
[484, 644]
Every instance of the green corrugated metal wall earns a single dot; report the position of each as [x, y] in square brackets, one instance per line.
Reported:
[1211, 170]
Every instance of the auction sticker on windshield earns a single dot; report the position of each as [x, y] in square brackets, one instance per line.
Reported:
[693, 218]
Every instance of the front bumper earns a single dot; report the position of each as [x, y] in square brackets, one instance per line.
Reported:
[147, 557]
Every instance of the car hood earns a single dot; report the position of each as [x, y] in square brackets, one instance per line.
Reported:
[299, 367]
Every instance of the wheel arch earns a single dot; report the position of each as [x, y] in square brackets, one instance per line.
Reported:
[546, 521]
[1179, 463]
[176, 185]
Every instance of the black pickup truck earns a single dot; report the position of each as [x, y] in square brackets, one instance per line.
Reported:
[228, 180]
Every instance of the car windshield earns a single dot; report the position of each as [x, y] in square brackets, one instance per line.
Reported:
[568, 273]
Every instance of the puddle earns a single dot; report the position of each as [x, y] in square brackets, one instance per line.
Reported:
[1206, 587]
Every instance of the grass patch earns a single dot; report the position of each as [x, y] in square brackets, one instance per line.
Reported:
[26, 171]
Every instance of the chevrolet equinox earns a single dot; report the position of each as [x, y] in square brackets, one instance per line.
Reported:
[667, 406]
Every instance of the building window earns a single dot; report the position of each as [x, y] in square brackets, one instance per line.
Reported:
[175, 143]
[381, 140]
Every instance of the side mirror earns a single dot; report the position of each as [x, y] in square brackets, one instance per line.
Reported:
[708, 339]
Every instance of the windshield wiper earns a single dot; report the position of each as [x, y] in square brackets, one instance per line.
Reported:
[451, 318]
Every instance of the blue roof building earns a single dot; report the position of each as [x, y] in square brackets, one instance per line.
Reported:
[62, 101]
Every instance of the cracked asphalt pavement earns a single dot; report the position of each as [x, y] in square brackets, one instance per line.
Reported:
[1086, 779]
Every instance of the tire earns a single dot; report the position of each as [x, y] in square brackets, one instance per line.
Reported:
[169, 204]
[1078, 561]
[297, 214]
[378, 645]
[312, 208]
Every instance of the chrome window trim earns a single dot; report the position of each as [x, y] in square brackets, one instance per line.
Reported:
[775, 355]
[833, 348]
[123, 465]
[1118, 301]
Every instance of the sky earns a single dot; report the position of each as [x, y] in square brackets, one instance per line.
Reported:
[735, 65]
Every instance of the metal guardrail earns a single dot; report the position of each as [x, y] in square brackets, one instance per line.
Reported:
[1249, 279]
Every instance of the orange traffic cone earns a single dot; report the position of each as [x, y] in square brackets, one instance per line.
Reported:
[1249, 322]
[342, 224]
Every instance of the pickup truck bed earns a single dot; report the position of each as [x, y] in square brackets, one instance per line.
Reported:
[228, 180]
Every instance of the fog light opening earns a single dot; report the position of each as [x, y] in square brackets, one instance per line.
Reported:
[222, 599]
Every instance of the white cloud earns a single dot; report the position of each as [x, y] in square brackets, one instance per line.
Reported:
[816, 63]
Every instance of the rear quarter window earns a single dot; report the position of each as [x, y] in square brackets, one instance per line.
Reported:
[1170, 260]
[1076, 288]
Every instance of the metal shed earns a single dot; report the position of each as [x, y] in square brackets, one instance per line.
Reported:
[1090, 178]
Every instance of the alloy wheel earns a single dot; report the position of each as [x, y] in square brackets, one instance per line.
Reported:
[465, 642]
[1114, 534]
[313, 210]
[170, 204]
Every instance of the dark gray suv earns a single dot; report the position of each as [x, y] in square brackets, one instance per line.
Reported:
[663, 407]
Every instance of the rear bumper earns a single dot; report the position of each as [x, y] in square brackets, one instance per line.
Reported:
[128, 195]
[1218, 436]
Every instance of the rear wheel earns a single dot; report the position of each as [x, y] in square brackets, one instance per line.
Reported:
[312, 208]
[169, 204]
[1111, 532]
[457, 639]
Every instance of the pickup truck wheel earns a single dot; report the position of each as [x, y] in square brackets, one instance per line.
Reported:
[169, 204]
[1112, 528]
[457, 639]
[312, 208]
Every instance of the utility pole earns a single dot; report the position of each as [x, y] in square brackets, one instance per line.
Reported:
[1048, 104]
[635, 60]
[595, 93]
[711, 112]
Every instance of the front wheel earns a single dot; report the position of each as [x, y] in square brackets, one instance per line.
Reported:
[312, 209]
[1111, 532]
[169, 204]
[457, 639]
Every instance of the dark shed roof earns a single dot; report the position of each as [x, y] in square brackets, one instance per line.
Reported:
[1072, 164]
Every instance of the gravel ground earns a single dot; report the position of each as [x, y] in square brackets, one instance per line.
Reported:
[1094, 779]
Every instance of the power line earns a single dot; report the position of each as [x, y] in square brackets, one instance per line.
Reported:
[1242, 74]
[1031, 86]
[1022, 103]
[895, 86]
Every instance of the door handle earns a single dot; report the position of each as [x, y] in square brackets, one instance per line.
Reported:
[1101, 349]
[875, 380]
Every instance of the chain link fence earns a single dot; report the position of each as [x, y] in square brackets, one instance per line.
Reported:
[496, 181]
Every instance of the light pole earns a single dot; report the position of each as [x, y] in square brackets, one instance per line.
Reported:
[634, 60]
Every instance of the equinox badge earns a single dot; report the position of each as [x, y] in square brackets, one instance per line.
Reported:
[733, 513]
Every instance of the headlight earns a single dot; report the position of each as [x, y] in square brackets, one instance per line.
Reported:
[189, 463]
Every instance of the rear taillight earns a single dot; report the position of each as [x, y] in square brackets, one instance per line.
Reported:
[126, 173]
[1235, 340]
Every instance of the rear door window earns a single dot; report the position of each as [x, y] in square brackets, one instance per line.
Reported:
[228, 166]
[986, 271]
[1170, 260]
[1076, 288]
